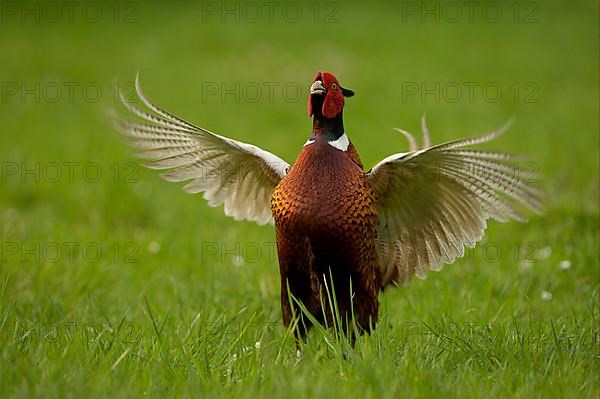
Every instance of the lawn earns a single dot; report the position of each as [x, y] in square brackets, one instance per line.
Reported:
[115, 283]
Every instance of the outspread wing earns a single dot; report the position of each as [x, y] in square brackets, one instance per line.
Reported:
[239, 175]
[435, 201]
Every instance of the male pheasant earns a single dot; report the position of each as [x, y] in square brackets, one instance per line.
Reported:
[342, 232]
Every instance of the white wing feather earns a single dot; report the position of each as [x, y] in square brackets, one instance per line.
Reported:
[239, 175]
[435, 201]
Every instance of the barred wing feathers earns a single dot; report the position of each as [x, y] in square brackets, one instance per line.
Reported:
[239, 175]
[436, 201]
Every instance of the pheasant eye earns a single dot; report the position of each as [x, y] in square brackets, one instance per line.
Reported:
[333, 86]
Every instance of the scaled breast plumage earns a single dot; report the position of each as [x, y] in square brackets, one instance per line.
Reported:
[325, 187]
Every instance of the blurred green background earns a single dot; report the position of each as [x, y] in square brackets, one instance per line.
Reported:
[140, 270]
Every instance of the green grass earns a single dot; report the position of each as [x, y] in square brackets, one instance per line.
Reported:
[182, 301]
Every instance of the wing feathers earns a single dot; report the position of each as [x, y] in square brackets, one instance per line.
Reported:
[434, 202]
[159, 111]
[239, 175]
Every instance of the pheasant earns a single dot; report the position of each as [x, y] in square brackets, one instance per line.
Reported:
[343, 233]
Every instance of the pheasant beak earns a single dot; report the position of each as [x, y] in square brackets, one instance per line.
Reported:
[317, 88]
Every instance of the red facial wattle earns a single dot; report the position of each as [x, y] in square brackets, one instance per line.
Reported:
[334, 98]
